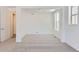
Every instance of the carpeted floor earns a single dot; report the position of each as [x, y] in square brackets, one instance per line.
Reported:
[36, 43]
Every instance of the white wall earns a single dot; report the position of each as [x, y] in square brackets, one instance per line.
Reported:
[71, 31]
[39, 23]
[59, 34]
[67, 33]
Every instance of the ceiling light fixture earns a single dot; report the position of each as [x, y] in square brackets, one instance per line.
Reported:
[52, 10]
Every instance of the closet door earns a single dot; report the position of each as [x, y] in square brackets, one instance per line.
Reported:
[2, 31]
[4, 28]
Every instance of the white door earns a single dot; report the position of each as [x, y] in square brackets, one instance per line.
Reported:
[5, 24]
[2, 23]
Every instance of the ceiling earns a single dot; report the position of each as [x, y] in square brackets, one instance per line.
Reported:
[11, 6]
[36, 8]
[41, 8]
[47, 7]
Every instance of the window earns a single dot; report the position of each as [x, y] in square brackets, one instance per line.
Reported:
[57, 21]
[73, 15]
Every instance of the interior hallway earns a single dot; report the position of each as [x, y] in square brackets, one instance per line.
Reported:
[36, 43]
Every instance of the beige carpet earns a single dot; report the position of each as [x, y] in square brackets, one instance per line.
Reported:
[36, 43]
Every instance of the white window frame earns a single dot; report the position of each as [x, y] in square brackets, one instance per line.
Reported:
[57, 18]
[73, 12]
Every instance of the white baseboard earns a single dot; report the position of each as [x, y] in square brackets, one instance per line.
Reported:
[73, 46]
[63, 41]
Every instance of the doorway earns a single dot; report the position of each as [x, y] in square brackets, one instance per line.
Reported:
[13, 24]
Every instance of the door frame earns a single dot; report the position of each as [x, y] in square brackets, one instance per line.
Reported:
[12, 22]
